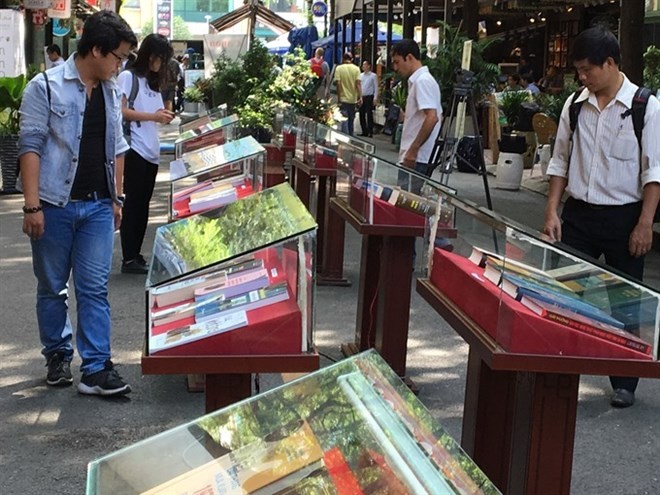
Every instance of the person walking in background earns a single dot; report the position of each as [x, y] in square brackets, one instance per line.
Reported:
[349, 92]
[421, 123]
[170, 82]
[54, 55]
[144, 156]
[369, 85]
[553, 81]
[613, 183]
[322, 71]
[71, 151]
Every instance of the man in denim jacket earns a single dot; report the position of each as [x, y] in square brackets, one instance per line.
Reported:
[71, 150]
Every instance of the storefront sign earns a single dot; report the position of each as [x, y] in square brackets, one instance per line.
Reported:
[60, 9]
[60, 27]
[319, 9]
[37, 4]
[163, 18]
[231, 45]
[12, 55]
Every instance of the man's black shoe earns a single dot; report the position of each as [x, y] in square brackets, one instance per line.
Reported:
[134, 266]
[105, 382]
[59, 371]
[622, 398]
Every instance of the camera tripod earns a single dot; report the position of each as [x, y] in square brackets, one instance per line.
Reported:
[445, 150]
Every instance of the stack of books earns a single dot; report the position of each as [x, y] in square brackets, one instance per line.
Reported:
[568, 301]
[208, 195]
[210, 304]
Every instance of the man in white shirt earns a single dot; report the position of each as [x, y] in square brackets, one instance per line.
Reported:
[369, 82]
[613, 190]
[54, 55]
[423, 110]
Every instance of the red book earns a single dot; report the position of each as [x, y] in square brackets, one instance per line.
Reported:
[341, 475]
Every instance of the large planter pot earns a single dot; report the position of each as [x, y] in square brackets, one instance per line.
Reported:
[190, 107]
[8, 163]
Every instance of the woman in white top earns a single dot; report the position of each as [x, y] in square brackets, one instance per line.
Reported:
[141, 162]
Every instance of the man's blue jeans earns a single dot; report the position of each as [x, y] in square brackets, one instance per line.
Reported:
[77, 238]
[348, 111]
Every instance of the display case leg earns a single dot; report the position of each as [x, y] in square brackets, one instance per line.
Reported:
[303, 186]
[393, 307]
[225, 389]
[332, 270]
[320, 214]
[519, 427]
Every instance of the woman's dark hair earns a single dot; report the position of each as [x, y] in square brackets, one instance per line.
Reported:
[54, 48]
[596, 44]
[406, 47]
[105, 30]
[154, 45]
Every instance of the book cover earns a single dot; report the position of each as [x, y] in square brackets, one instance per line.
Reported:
[196, 331]
[587, 325]
[528, 273]
[519, 287]
[411, 202]
[234, 286]
[244, 302]
[249, 468]
[185, 289]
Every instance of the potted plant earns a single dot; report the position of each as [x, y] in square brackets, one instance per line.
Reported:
[192, 97]
[11, 95]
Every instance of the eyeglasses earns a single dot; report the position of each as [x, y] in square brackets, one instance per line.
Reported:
[121, 59]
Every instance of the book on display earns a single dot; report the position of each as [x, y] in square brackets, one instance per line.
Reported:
[244, 302]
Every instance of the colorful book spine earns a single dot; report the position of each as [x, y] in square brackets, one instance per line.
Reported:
[518, 288]
[234, 286]
[245, 302]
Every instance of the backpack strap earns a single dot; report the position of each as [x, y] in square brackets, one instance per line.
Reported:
[573, 114]
[638, 111]
[133, 94]
[47, 86]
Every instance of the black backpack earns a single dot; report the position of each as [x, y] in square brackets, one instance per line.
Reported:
[126, 124]
[637, 112]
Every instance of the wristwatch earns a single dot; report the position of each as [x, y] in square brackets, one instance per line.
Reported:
[121, 198]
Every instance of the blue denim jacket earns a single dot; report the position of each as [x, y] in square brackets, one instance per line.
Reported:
[54, 133]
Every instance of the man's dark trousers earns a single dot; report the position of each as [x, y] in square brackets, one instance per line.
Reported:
[605, 230]
[367, 115]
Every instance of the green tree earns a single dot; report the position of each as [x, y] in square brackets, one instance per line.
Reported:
[179, 28]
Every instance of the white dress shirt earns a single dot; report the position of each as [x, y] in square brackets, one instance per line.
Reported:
[423, 94]
[369, 82]
[605, 161]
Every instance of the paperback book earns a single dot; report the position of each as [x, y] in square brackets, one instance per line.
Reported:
[519, 288]
[244, 302]
[197, 331]
[185, 289]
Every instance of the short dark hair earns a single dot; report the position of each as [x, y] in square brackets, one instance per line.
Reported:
[54, 48]
[153, 45]
[347, 56]
[406, 47]
[105, 30]
[596, 45]
[515, 78]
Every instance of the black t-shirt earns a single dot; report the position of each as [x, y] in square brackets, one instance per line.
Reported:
[90, 175]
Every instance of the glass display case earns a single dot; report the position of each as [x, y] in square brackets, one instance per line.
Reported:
[208, 178]
[212, 133]
[533, 296]
[317, 144]
[204, 118]
[285, 128]
[351, 428]
[234, 280]
[381, 193]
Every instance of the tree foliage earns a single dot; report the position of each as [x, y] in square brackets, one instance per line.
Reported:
[180, 29]
[444, 63]
[652, 68]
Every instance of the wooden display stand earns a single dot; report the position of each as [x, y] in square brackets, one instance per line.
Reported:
[330, 233]
[228, 379]
[520, 409]
[386, 270]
